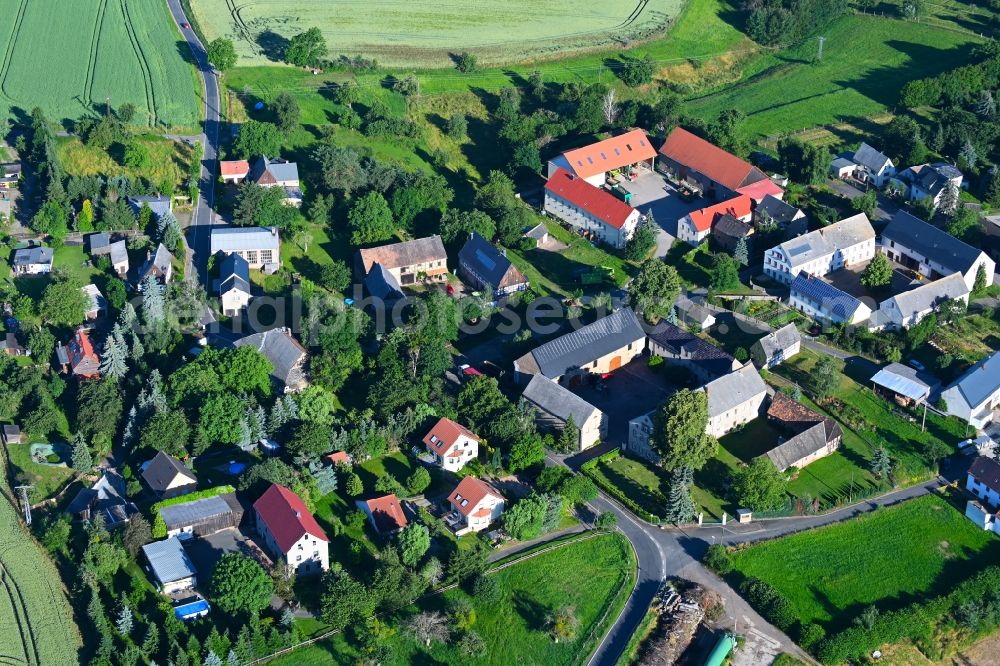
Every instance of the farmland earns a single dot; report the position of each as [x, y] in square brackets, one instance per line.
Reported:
[886, 558]
[36, 623]
[107, 50]
[398, 32]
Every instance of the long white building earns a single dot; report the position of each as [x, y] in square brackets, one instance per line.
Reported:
[840, 245]
[590, 209]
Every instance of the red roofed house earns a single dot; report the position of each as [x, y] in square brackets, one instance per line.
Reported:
[627, 153]
[719, 174]
[289, 531]
[695, 227]
[338, 458]
[594, 211]
[451, 444]
[234, 171]
[476, 503]
[83, 360]
[385, 513]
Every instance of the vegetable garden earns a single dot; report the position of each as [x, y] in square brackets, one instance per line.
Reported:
[71, 57]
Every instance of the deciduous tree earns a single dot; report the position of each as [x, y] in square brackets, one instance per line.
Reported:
[679, 431]
[240, 585]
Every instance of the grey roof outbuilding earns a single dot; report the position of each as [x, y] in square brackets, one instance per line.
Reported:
[734, 389]
[240, 239]
[560, 402]
[575, 350]
[283, 351]
[168, 560]
[934, 244]
[905, 381]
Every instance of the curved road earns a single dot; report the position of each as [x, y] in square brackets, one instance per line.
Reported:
[198, 234]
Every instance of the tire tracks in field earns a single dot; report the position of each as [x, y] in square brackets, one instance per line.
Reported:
[9, 54]
[20, 616]
[147, 76]
[95, 45]
[241, 27]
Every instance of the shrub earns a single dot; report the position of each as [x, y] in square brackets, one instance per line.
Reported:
[487, 589]
[717, 559]
[810, 635]
[774, 606]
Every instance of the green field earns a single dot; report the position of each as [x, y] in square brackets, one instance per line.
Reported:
[866, 61]
[36, 622]
[594, 575]
[67, 57]
[886, 558]
[403, 33]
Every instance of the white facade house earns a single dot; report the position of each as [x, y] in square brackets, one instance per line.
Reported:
[824, 302]
[983, 482]
[233, 285]
[734, 399]
[32, 261]
[452, 444]
[842, 244]
[640, 432]
[872, 166]
[477, 504]
[590, 209]
[910, 307]
[259, 246]
[696, 226]
[931, 180]
[976, 394]
[933, 252]
[170, 566]
[776, 347]
[289, 531]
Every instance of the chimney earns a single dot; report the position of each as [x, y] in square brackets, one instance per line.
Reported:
[298, 514]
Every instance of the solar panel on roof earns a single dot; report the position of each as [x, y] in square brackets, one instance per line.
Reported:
[485, 260]
[797, 250]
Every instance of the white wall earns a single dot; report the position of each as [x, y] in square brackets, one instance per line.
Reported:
[582, 219]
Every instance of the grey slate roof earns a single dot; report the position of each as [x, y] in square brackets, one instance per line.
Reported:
[841, 162]
[733, 389]
[798, 447]
[583, 346]
[986, 471]
[95, 297]
[904, 380]
[162, 470]
[931, 295]
[159, 204]
[487, 262]
[239, 239]
[157, 264]
[383, 284]
[537, 232]
[109, 488]
[727, 225]
[280, 170]
[33, 255]
[234, 273]
[777, 210]
[283, 351]
[777, 341]
[168, 560]
[830, 299]
[933, 178]
[693, 310]
[190, 513]
[845, 233]
[869, 157]
[933, 243]
[682, 344]
[980, 381]
[560, 402]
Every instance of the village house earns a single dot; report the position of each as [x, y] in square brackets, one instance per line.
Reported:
[554, 405]
[233, 171]
[11, 434]
[810, 435]
[402, 264]
[278, 173]
[640, 434]
[692, 312]
[843, 244]
[690, 160]
[10, 174]
[908, 308]
[790, 220]
[871, 166]
[983, 481]
[117, 251]
[624, 156]
[595, 349]
[159, 265]
[931, 252]
[260, 246]
[233, 285]
[734, 399]
[538, 233]
[97, 305]
[79, 357]
[480, 264]
[931, 180]
[32, 261]
[384, 513]
[824, 302]
[170, 566]
[728, 231]
[776, 347]
[159, 205]
[286, 355]
[975, 396]
[338, 458]
[593, 211]
[202, 517]
[701, 358]
[695, 227]
[168, 477]
[106, 497]
[11, 346]
[475, 505]
[452, 444]
[903, 385]
[290, 531]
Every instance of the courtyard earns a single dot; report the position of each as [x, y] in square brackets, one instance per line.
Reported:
[849, 280]
[651, 192]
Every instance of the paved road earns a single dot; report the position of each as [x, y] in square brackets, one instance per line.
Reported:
[197, 234]
[884, 209]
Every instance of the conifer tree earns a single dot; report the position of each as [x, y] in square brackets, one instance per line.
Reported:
[82, 461]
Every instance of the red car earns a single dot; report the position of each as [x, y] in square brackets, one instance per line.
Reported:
[186, 26]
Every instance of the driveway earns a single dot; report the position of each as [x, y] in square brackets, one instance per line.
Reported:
[652, 192]
[632, 391]
[885, 208]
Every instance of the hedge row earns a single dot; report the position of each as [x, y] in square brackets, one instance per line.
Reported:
[160, 527]
[589, 468]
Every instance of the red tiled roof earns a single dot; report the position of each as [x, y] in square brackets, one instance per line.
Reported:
[474, 490]
[613, 153]
[337, 458]
[757, 191]
[704, 219]
[234, 168]
[599, 203]
[710, 160]
[83, 360]
[387, 513]
[286, 517]
[445, 434]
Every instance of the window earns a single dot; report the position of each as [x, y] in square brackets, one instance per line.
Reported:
[266, 256]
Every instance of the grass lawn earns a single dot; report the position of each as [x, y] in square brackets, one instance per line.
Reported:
[47, 480]
[643, 482]
[593, 575]
[400, 466]
[169, 161]
[866, 61]
[887, 558]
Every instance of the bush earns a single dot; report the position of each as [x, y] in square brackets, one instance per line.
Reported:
[717, 559]
[774, 606]
[487, 589]
[810, 635]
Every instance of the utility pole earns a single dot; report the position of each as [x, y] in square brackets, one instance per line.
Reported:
[819, 54]
[27, 504]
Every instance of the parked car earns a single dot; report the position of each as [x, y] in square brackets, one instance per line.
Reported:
[916, 365]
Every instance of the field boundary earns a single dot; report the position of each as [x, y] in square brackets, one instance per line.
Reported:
[147, 76]
[95, 46]
[11, 43]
